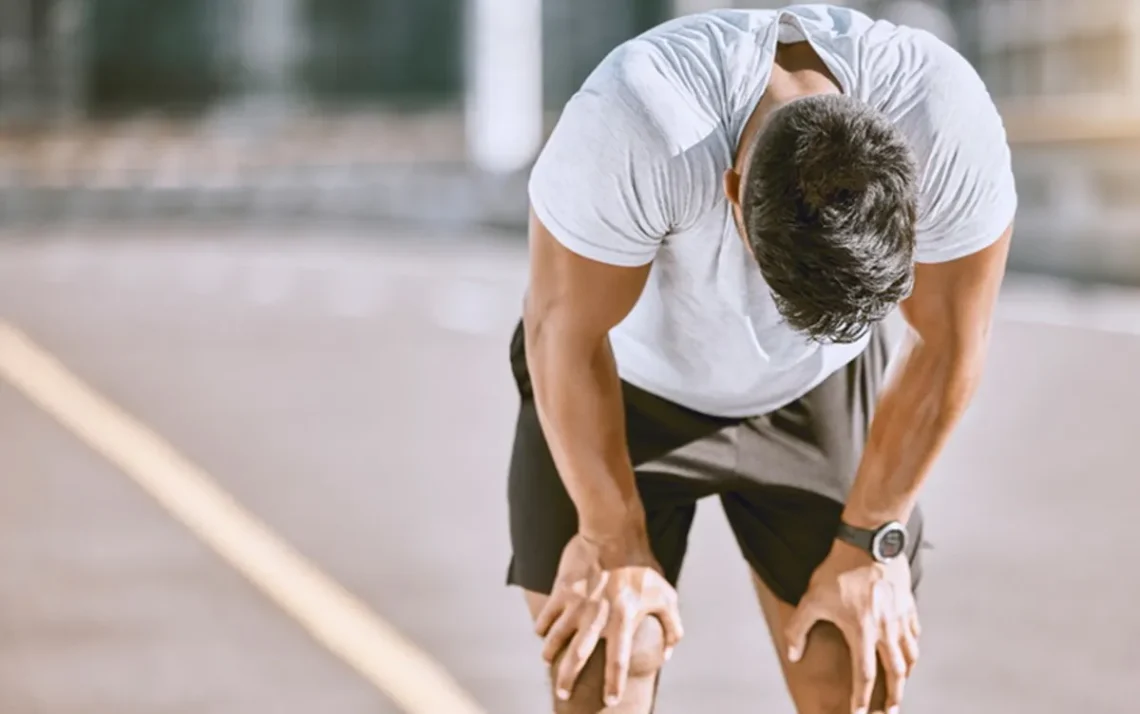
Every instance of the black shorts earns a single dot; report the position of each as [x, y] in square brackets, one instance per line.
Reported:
[781, 477]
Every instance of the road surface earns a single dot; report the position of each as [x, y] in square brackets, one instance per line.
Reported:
[353, 395]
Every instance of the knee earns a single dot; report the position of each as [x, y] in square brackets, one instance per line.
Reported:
[648, 657]
[823, 686]
[648, 649]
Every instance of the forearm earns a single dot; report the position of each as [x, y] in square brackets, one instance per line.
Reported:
[914, 418]
[578, 395]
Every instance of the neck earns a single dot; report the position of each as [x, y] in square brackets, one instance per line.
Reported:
[797, 72]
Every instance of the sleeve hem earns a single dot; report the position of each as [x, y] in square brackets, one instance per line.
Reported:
[991, 232]
[588, 250]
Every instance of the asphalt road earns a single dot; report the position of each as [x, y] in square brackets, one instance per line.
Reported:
[354, 395]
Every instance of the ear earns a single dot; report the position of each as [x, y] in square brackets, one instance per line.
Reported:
[732, 187]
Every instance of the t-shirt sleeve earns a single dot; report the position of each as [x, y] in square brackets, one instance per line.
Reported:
[601, 184]
[968, 195]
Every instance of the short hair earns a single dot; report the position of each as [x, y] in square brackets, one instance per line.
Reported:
[829, 210]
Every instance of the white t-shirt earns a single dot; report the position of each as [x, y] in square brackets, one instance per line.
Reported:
[632, 174]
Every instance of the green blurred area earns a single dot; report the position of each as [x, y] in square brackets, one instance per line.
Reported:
[184, 56]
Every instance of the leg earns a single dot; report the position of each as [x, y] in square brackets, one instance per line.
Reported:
[643, 674]
[820, 683]
[785, 534]
[800, 462]
[668, 528]
[669, 445]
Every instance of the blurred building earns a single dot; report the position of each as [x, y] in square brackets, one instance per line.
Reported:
[376, 108]
[1067, 77]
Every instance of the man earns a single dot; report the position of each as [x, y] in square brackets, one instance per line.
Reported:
[721, 219]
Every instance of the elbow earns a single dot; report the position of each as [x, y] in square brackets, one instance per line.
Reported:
[537, 318]
[554, 324]
[963, 376]
[951, 374]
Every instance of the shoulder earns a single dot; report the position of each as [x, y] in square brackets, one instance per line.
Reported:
[639, 147]
[967, 192]
[670, 83]
[917, 78]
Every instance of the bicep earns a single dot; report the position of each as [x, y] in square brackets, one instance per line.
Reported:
[580, 298]
[953, 302]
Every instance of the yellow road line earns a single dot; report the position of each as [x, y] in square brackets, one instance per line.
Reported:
[333, 616]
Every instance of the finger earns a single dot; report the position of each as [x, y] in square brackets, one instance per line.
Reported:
[551, 611]
[669, 615]
[909, 644]
[863, 644]
[581, 647]
[559, 634]
[619, 651]
[560, 600]
[799, 625]
[915, 625]
[894, 663]
[597, 584]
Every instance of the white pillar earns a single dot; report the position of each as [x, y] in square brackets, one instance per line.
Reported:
[922, 16]
[504, 110]
[69, 33]
[268, 39]
[691, 7]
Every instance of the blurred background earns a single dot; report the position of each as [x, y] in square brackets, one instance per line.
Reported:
[287, 236]
[430, 111]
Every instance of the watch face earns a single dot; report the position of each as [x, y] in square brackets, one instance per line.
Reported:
[890, 542]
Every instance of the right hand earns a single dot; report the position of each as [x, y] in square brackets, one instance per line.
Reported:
[603, 591]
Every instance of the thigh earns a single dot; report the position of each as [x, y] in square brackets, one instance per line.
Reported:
[785, 533]
[676, 453]
[798, 465]
[543, 518]
[796, 469]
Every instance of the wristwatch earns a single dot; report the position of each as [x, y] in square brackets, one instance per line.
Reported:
[884, 543]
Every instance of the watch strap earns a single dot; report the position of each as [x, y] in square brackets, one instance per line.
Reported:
[858, 537]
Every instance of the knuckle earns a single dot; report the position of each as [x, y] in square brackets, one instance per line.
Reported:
[625, 610]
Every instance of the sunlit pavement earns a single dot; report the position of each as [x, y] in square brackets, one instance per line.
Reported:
[354, 394]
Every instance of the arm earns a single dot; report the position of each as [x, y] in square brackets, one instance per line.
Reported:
[570, 307]
[950, 313]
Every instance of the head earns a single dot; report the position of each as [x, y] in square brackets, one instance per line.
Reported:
[825, 199]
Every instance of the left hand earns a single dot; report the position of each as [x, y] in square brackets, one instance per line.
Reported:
[873, 605]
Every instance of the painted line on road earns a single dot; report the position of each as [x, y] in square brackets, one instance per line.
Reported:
[334, 617]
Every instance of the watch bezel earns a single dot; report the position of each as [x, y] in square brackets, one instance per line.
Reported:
[881, 535]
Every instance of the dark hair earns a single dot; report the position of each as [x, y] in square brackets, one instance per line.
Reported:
[829, 211]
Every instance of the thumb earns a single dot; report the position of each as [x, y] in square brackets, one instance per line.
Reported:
[797, 629]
